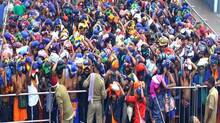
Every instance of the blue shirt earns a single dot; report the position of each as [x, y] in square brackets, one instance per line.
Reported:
[202, 92]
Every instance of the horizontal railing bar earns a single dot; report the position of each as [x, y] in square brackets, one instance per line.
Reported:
[39, 93]
[83, 91]
[29, 121]
[187, 87]
[190, 87]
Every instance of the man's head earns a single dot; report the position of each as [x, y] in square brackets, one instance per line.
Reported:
[201, 69]
[140, 70]
[211, 82]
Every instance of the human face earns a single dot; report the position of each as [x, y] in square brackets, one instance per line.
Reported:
[163, 47]
[201, 54]
[201, 70]
[209, 86]
[122, 7]
[214, 66]
[184, 42]
[82, 30]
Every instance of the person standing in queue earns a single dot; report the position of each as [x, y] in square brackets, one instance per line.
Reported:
[19, 105]
[63, 99]
[96, 95]
[211, 102]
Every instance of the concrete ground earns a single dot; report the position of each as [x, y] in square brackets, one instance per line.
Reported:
[205, 12]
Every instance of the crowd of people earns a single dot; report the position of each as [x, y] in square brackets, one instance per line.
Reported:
[127, 55]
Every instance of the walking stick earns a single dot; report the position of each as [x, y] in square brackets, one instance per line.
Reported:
[161, 113]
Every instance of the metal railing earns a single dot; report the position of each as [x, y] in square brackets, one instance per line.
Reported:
[195, 106]
[195, 14]
[191, 110]
[39, 93]
[30, 121]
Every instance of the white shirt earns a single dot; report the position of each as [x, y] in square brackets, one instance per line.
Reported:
[32, 99]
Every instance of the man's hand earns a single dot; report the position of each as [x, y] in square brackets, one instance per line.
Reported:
[74, 113]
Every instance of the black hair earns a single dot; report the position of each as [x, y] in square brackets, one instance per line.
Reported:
[211, 80]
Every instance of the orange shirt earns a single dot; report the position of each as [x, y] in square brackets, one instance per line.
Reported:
[215, 74]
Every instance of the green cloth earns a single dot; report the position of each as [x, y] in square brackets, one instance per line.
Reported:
[19, 10]
[204, 92]
[63, 101]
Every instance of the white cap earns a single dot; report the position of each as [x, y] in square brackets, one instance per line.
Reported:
[54, 58]
[203, 62]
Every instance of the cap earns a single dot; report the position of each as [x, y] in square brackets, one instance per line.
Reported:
[115, 64]
[48, 22]
[53, 57]
[46, 68]
[214, 59]
[7, 36]
[104, 57]
[140, 67]
[166, 63]
[163, 41]
[115, 87]
[35, 66]
[202, 62]
[42, 53]
[137, 84]
[35, 44]
[25, 34]
[23, 50]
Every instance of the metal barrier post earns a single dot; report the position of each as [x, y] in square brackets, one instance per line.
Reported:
[201, 110]
[180, 94]
[50, 104]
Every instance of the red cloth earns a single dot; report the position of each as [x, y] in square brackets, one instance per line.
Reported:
[169, 51]
[140, 67]
[137, 105]
[54, 80]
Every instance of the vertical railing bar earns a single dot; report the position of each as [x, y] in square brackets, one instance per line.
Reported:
[50, 105]
[180, 109]
[190, 99]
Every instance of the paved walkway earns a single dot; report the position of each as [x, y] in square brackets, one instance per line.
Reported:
[211, 18]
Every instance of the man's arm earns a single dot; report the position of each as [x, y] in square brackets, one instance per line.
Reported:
[61, 114]
[60, 106]
[209, 115]
[104, 94]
